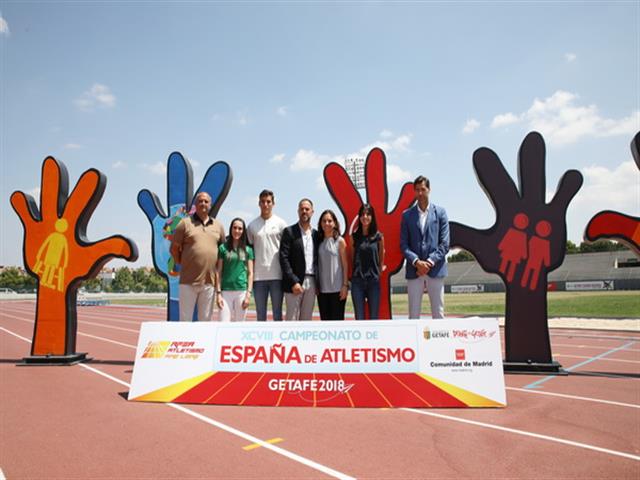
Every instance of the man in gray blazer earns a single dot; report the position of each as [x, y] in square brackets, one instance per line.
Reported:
[424, 240]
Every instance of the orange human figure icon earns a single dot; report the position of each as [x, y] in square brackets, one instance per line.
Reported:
[55, 250]
[513, 246]
[539, 255]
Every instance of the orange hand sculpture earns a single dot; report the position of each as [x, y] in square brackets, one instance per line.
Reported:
[349, 201]
[616, 225]
[57, 252]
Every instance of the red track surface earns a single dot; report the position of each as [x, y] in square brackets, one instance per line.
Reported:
[73, 422]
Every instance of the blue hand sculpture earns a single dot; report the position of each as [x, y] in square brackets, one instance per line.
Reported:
[216, 182]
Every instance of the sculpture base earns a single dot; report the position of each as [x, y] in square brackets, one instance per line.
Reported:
[533, 368]
[54, 360]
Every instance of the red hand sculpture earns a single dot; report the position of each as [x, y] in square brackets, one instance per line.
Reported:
[349, 201]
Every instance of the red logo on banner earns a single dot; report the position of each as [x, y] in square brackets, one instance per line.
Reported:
[460, 355]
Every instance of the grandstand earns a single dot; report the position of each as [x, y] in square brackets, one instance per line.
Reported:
[619, 270]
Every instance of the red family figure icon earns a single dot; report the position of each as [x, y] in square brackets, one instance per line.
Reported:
[513, 246]
[539, 255]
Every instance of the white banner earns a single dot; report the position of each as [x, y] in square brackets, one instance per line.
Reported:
[594, 285]
[457, 355]
[477, 288]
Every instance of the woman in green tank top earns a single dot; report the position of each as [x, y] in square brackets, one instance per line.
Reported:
[234, 274]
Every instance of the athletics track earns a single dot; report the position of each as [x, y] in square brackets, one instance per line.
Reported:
[74, 422]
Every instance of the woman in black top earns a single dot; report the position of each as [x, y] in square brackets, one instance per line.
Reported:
[367, 252]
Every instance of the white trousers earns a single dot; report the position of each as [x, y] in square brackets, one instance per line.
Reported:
[435, 289]
[190, 295]
[300, 307]
[232, 310]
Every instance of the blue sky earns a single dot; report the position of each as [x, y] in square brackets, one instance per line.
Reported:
[277, 90]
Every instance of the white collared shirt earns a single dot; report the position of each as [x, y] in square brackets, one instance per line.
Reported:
[423, 216]
[307, 241]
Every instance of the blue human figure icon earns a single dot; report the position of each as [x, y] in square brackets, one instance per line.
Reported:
[216, 182]
[513, 246]
[539, 255]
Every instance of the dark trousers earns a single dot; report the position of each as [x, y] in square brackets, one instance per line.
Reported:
[331, 307]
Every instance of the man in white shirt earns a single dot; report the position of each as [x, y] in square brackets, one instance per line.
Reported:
[264, 234]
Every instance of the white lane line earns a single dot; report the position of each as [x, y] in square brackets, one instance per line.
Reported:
[84, 322]
[107, 340]
[2, 477]
[527, 434]
[594, 347]
[603, 359]
[79, 333]
[238, 433]
[573, 397]
[274, 448]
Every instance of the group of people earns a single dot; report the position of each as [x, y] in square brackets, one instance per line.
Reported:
[298, 263]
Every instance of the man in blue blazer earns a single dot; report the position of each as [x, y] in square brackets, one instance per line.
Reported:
[424, 240]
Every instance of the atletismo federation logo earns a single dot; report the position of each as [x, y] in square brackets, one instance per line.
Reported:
[172, 350]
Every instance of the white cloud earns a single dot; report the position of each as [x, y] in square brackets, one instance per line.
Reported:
[4, 26]
[242, 118]
[504, 120]
[158, 168]
[72, 146]
[277, 158]
[119, 164]
[34, 192]
[194, 163]
[282, 111]
[97, 96]
[617, 189]
[561, 121]
[320, 185]
[570, 57]
[604, 189]
[308, 160]
[399, 144]
[395, 174]
[471, 126]
[386, 134]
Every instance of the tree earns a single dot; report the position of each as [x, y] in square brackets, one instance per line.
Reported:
[461, 256]
[17, 280]
[601, 246]
[93, 284]
[123, 281]
[572, 248]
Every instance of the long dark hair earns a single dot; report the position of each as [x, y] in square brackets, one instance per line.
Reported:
[243, 241]
[336, 224]
[373, 228]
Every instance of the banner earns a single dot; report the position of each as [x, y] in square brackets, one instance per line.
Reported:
[584, 286]
[475, 288]
[396, 363]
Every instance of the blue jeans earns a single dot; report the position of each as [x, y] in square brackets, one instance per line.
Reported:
[365, 289]
[261, 291]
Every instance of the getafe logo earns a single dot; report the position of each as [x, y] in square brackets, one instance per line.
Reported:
[429, 335]
[156, 349]
[172, 350]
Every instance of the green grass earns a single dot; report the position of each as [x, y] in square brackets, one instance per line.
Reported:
[560, 304]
